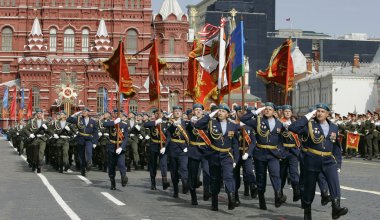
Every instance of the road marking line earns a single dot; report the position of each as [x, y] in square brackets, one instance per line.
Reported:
[360, 190]
[72, 215]
[112, 199]
[84, 179]
[373, 164]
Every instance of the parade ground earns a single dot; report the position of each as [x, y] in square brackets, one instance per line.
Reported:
[50, 195]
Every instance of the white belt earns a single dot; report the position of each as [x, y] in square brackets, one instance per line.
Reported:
[40, 135]
[64, 136]
[106, 134]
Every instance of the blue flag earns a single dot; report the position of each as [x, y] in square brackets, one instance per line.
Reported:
[237, 42]
[5, 98]
[105, 100]
[121, 98]
[22, 104]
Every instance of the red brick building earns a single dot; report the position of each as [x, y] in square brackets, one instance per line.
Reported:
[56, 49]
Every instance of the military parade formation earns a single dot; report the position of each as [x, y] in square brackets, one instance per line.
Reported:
[216, 149]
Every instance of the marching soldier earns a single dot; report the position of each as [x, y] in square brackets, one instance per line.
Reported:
[141, 143]
[320, 146]
[352, 126]
[134, 129]
[224, 152]
[267, 153]
[116, 149]
[156, 149]
[290, 154]
[144, 145]
[19, 131]
[177, 141]
[247, 142]
[197, 152]
[87, 138]
[376, 135]
[369, 127]
[38, 133]
[104, 139]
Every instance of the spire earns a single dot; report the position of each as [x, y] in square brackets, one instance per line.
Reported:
[35, 40]
[169, 7]
[102, 39]
[102, 29]
[36, 29]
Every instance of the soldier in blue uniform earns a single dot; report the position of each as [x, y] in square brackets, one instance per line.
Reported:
[267, 153]
[320, 147]
[290, 154]
[197, 152]
[224, 152]
[247, 142]
[157, 139]
[116, 149]
[87, 138]
[176, 145]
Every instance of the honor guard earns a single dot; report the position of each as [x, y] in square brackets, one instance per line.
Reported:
[197, 152]
[87, 137]
[267, 153]
[320, 146]
[104, 139]
[290, 154]
[19, 131]
[134, 129]
[116, 149]
[157, 150]
[376, 135]
[38, 133]
[369, 127]
[224, 152]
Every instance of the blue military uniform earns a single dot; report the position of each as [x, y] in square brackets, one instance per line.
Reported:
[224, 153]
[319, 147]
[87, 136]
[267, 154]
[114, 158]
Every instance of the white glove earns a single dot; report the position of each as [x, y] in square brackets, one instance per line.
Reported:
[185, 150]
[286, 124]
[17, 133]
[212, 114]
[32, 136]
[141, 137]
[162, 150]
[118, 151]
[100, 134]
[245, 156]
[56, 136]
[131, 135]
[76, 114]
[147, 137]
[67, 128]
[355, 132]
[194, 119]
[138, 127]
[242, 124]
[176, 123]
[234, 165]
[117, 121]
[338, 170]
[94, 146]
[169, 115]
[44, 126]
[310, 115]
[258, 111]
[158, 121]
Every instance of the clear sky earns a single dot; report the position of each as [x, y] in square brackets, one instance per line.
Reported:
[334, 17]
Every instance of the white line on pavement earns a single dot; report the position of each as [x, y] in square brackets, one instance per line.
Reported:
[84, 179]
[113, 199]
[373, 164]
[360, 190]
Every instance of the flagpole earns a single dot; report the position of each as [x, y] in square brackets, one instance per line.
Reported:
[287, 73]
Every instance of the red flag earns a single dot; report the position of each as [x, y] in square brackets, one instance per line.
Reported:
[110, 104]
[20, 114]
[117, 67]
[30, 104]
[126, 107]
[154, 80]
[280, 70]
[12, 113]
[352, 140]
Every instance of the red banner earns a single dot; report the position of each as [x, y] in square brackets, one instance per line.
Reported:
[12, 112]
[110, 104]
[154, 75]
[30, 105]
[117, 67]
[352, 140]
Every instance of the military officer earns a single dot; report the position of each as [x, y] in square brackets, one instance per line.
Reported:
[104, 138]
[376, 135]
[267, 154]
[20, 136]
[290, 154]
[38, 132]
[144, 144]
[134, 129]
[369, 127]
[87, 137]
[156, 149]
[224, 152]
[320, 146]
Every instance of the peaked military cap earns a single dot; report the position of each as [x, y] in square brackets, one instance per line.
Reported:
[323, 106]
[197, 105]
[224, 107]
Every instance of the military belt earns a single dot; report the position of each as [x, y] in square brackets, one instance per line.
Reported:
[106, 134]
[270, 147]
[115, 142]
[223, 150]
[84, 134]
[199, 144]
[289, 145]
[178, 141]
[157, 141]
[317, 152]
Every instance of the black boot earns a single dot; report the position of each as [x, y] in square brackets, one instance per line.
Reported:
[165, 183]
[124, 180]
[194, 200]
[279, 199]
[83, 171]
[262, 203]
[246, 189]
[307, 212]
[153, 183]
[113, 183]
[237, 200]
[325, 198]
[60, 169]
[231, 201]
[185, 187]
[206, 195]
[105, 168]
[296, 193]
[39, 169]
[253, 190]
[175, 194]
[337, 211]
[214, 203]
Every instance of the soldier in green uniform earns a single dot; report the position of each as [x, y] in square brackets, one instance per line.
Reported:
[351, 126]
[144, 142]
[376, 135]
[134, 129]
[369, 127]
[104, 139]
[19, 131]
